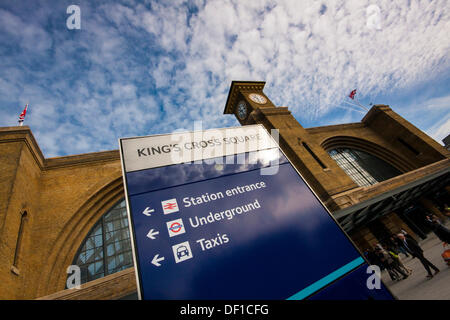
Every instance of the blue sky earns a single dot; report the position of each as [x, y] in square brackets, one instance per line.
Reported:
[145, 67]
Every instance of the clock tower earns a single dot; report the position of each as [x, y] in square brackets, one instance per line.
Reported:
[247, 101]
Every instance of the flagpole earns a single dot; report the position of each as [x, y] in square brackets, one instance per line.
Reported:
[361, 105]
[354, 105]
[352, 96]
[351, 109]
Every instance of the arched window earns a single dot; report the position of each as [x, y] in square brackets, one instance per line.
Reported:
[364, 168]
[107, 247]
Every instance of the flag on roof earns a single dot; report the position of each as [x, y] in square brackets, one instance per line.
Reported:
[22, 115]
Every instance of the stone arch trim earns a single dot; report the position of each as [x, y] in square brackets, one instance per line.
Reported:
[74, 232]
[384, 154]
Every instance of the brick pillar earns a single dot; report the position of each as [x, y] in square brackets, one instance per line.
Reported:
[390, 224]
[430, 207]
[363, 239]
[394, 223]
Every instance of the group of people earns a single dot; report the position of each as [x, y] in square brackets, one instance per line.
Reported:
[387, 255]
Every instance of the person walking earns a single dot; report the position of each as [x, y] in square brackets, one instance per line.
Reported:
[439, 229]
[393, 269]
[406, 234]
[417, 252]
[397, 260]
[383, 263]
[399, 245]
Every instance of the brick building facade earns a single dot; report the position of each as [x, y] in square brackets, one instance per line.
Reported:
[377, 176]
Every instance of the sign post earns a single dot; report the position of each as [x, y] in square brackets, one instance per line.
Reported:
[223, 214]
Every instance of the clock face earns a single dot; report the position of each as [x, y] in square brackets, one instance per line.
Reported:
[242, 110]
[257, 98]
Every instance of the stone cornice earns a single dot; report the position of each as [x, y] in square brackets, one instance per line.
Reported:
[111, 287]
[335, 127]
[374, 111]
[275, 111]
[24, 134]
[361, 194]
[81, 159]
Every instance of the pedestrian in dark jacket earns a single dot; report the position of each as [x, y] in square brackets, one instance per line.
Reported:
[439, 229]
[399, 245]
[416, 251]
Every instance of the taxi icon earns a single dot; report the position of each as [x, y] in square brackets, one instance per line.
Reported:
[182, 251]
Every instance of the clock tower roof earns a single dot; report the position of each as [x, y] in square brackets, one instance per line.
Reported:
[239, 86]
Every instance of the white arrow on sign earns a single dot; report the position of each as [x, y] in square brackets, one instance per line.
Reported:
[152, 233]
[148, 211]
[156, 260]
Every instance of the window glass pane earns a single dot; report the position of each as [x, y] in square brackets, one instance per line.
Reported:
[111, 264]
[98, 230]
[99, 267]
[89, 244]
[117, 224]
[365, 169]
[109, 227]
[111, 250]
[107, 247]
[98, 241]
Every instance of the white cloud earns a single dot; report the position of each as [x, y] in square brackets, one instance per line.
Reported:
[431, 115]
[123, 91]
[439, 103]
[311, 60]
[160, 66]
[440, 130]
[28, 34]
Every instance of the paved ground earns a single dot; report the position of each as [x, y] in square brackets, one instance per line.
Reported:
[416, 286]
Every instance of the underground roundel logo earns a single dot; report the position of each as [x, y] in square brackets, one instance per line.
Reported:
[175, 227]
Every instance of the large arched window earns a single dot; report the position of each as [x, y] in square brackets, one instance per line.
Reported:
[107, 247]
[364, 168]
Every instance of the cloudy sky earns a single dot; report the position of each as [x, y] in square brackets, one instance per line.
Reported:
[144, 67]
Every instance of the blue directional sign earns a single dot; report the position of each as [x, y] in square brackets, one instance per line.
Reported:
[233, 222]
